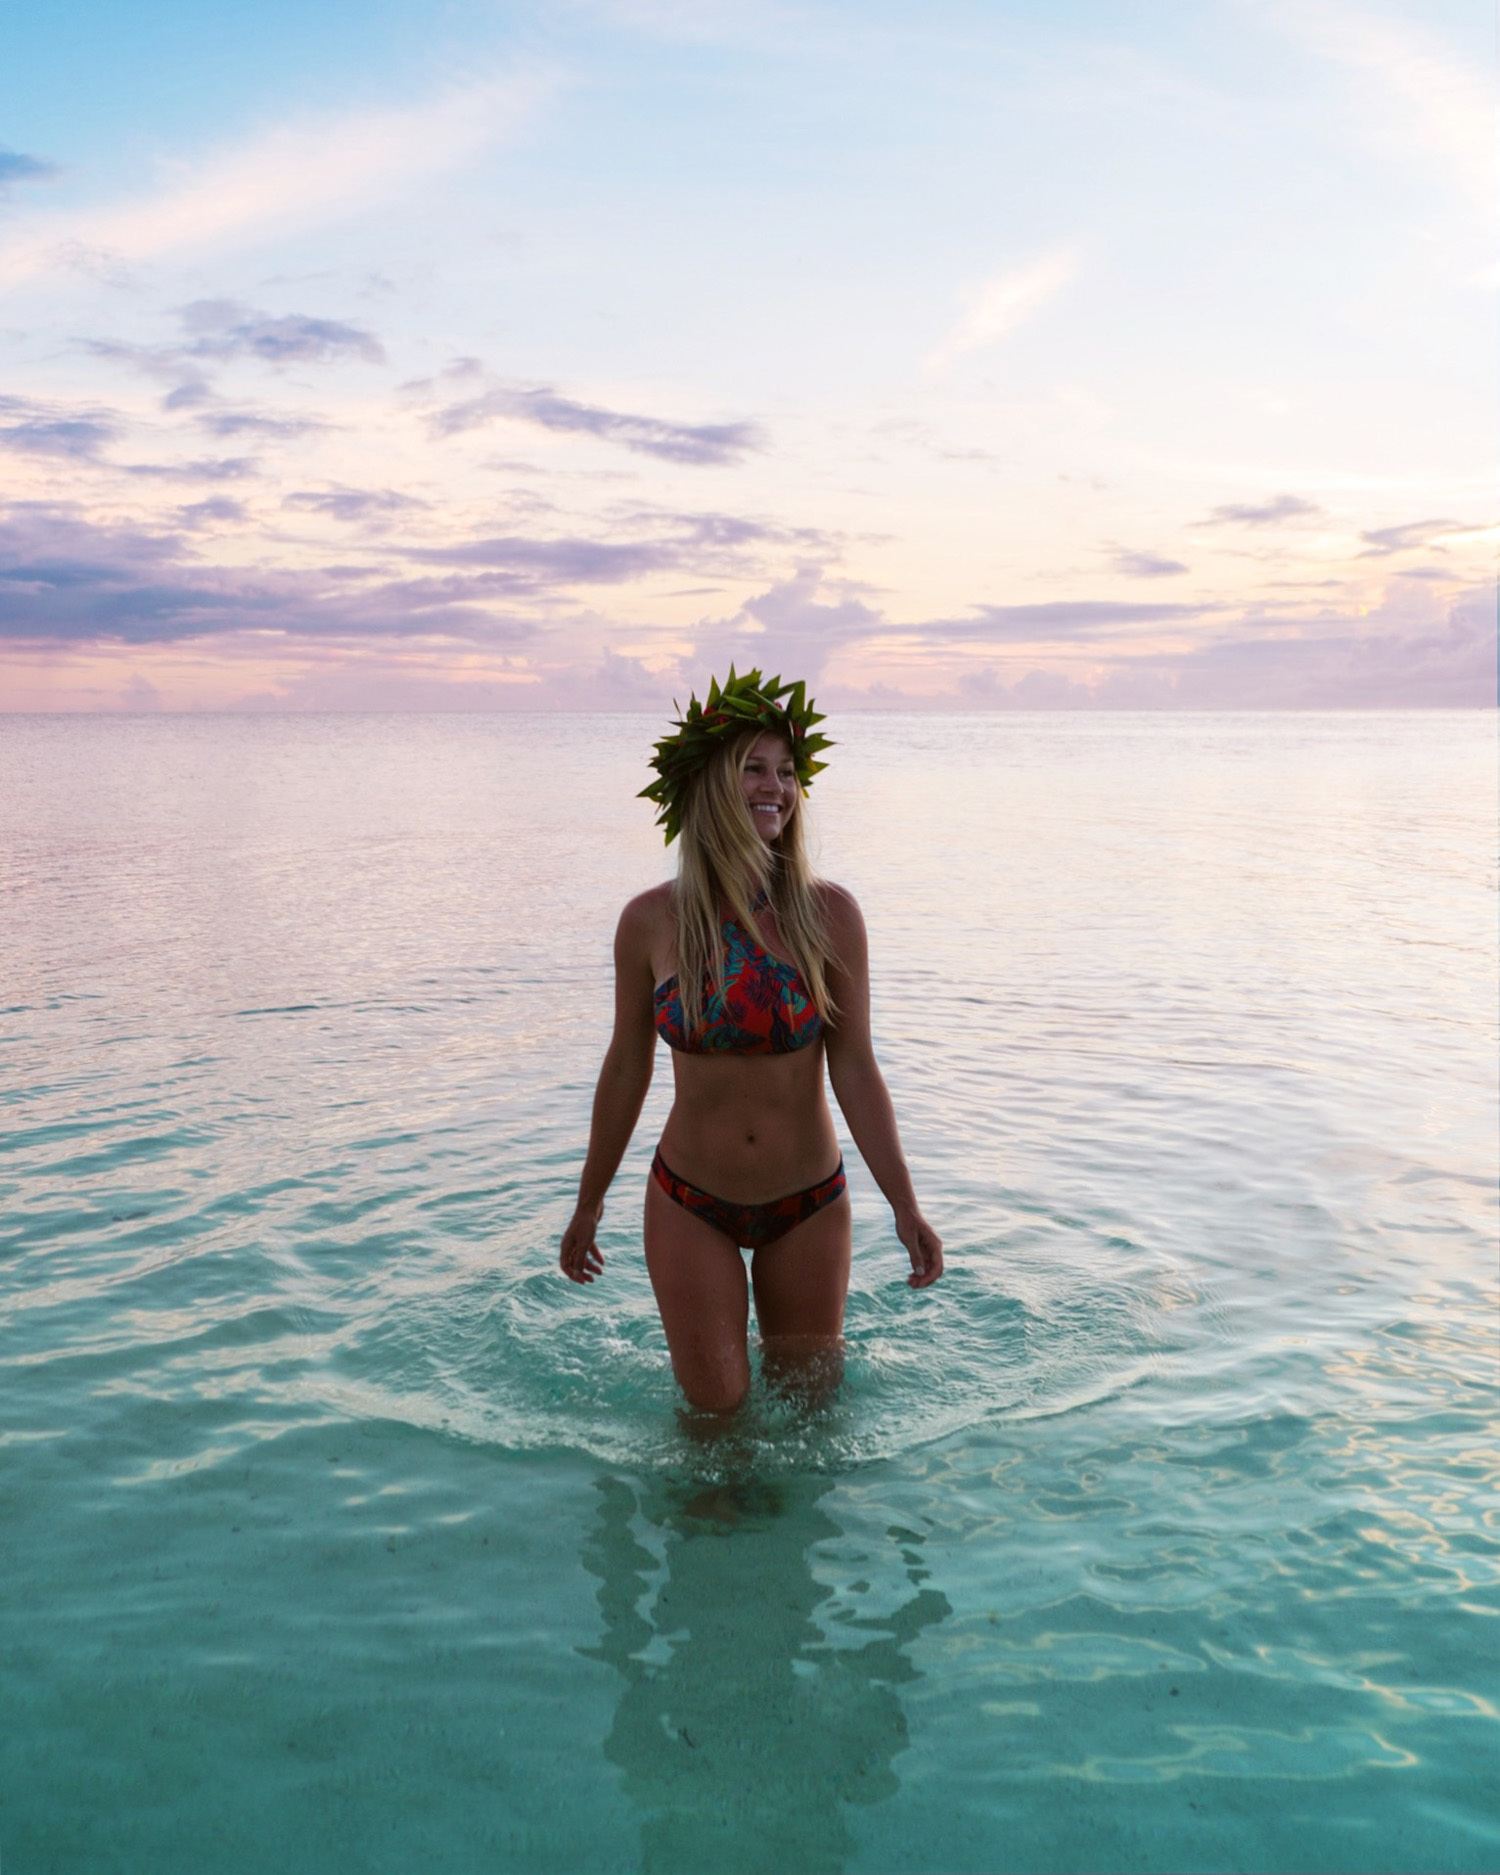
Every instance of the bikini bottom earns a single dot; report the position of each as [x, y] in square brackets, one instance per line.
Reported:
[751, 1226]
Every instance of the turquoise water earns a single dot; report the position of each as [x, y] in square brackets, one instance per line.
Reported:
[339, 1531]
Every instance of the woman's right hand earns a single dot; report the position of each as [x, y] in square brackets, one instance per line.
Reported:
[580, 1258]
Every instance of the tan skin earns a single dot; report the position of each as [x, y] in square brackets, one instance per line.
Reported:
[748, 1129]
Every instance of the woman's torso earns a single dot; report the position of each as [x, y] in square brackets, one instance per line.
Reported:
[747, 1127]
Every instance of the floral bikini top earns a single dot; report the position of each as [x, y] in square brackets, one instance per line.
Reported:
[765, 1007]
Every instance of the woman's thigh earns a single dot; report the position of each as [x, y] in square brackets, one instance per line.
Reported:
[802, 1279]
[701, 1289]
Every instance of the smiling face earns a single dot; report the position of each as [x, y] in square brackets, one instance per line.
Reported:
[769, 781]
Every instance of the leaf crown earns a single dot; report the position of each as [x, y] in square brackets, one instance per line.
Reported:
[743, 703]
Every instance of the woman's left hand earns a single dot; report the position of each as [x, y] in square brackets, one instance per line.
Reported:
[924, 1247]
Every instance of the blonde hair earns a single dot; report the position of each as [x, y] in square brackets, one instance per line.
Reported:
[722, 855]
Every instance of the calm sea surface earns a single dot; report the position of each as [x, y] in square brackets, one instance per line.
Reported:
[339, 1532]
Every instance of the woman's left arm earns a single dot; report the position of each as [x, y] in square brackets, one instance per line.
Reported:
[860, 1089]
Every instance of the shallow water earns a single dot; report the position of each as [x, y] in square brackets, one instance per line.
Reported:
[1162, 1534]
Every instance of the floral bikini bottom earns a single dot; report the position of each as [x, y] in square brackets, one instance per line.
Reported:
[751, 1226]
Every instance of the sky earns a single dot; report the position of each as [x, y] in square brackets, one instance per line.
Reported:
[402, 356]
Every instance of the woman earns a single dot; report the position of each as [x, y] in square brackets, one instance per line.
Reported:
[751, 970]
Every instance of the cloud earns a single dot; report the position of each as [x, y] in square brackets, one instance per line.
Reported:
[166, 363]
[16, 166]
[66, 579]
[1073, 620]
[1261, 513]
[1146, 565]
[728, 531]
[204, 469]
[256, 423]
[801, 622]
[1409, 536]
[1442, 106]
[223, 328]
[1383, 658]
[569, 562]
[790, 625]
[281, 179]
[140, 694]
[1002, 303]
[704, 444]
[51, 430]
[457, 371]
[214, 508]
[352, 504]
[1381, 661]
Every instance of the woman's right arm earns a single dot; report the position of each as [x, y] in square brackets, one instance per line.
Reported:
[623, 1082]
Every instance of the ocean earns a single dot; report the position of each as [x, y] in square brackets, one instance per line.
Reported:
[340, 1532]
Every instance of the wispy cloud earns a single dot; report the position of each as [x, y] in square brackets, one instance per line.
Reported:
[284, 177]
[167, 364]
[1147, 565]
[352, 504]
[204, 469]
[1071, 620]
[257, 423]
[1443, 106]
[1410, 535]
[706, 444]
[567, 561]
[1002, 303]
[40, 429]
[223, 328]
[1259, 513]
[66, 577]
[214, 509]
[16, 166]
[220, 331]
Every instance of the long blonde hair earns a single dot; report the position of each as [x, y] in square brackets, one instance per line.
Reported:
[722, 856]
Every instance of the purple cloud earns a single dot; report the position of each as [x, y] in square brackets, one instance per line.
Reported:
[64, 578]
[165, 363]
[214, 508]
[352, 504]
[204, 469]
[256, 423]
[1260, 514]
[729, 530]
[703, 444]
[48, 430]
[1147, 565]
[1409, 536]
[223, 328]
[564, 561]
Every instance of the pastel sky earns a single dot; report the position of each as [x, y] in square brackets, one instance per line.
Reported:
[454, 356]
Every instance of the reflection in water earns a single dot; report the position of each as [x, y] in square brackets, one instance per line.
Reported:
[746, 1721]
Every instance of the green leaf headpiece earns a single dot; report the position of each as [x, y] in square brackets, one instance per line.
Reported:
[743, 703]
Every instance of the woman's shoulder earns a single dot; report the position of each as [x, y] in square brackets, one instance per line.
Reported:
[647, 909]
[641, 917]
[642, 935]
[836, 901]
[652, 897]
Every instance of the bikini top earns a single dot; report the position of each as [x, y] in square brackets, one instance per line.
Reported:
[765, 1008]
